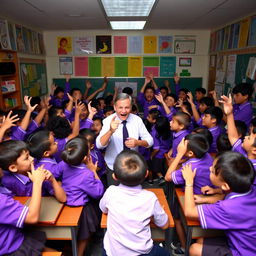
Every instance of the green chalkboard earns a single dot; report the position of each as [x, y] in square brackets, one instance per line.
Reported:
[191, 83]
[33, 77]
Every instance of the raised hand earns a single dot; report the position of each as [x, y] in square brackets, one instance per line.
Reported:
[188, 174]
[67, 78]
[190, 97]
[114, 124]
[79, 107]
[147, 80]
[88, 84]
[182, 147]
[9, 121]
[213, 94]
[159, 97]
[70, 97]
[93, 167]
[38, 175]
[176, 78]
[27, 101]
[227, 104]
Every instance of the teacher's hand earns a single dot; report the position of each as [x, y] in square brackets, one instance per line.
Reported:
[131, 143]
[114, 124]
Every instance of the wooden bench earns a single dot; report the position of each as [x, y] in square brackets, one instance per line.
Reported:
[51, 253]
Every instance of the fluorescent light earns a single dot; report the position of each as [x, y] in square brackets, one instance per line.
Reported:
[127, 25]
[120, 8]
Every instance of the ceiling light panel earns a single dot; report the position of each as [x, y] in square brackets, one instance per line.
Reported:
[127, 25]
[121, 8]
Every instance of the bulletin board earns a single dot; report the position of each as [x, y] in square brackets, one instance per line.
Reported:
[33, 77]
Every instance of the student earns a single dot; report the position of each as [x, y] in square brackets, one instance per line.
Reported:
[234, 174]
[81, 183]
[248, 146]
[16, 163]
[97, 125]
[179, 124]
[205, 132]
[130, 209]
[146, 97]
[108, 110]
[223, 143]
[14, 241]
[242, 108]
[252, 125]
[199, 94]
[7, 122]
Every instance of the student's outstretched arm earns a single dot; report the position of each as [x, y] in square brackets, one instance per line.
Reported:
[59, 192]
[214, 96]
[101, 89]
[67, 87]
[176, 83]
[26, 120]
[181, 150]
[147, 80]
[190, 210]
[8, 122]
[88, 86]
[228, 110]
[159, 97]
[44, 108]
[193, 107]
[37, 177]
[153, 81]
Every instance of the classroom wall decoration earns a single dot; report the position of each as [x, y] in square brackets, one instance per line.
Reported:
[108, 66]
[81, 66]
[150, 44]
[184, 46]
[165, 44]
[121, 66]
[4, 35]
[64, 45]
[135, 44]
[66, 65]
[103, 45]
[252, 33]
[83, 45]
[120, 44]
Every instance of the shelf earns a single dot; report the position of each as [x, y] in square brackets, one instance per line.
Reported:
[8, 93]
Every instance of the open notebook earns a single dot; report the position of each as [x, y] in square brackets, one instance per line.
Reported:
[50, 210]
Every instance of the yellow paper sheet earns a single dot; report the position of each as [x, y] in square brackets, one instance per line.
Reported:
[150, 44]
[134, 66]
[108, 66]
[244, 30]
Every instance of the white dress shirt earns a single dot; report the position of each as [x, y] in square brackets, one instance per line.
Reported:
[136, 130]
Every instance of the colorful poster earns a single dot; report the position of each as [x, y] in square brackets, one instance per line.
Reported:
[121, 66]
[83, 45]
[4, 35]
[150, 44]
[151, 61]
[167, 66]
[231, 69]
[12, 36]
[151, 70]
[185, 46]
[81, 66]
[35, 42]
[64, 45]
[236, 35]
[251, 68]
[19, 38]
[244, 30]
[66, 65]
[134, 66]
[134, 44]
[231, 36]
[95, 66]
[165, 44]
[252, 33]
[120, 44]
[108, 66]
[121, 85]
[103, 45]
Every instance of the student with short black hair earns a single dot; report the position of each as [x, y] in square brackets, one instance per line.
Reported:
[223, 143]
[97, 125]
[234, 174]
[130, 209]
[108, 110]
[205, 132]
[128, 90]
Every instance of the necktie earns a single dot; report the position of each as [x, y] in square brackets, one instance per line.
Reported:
[125, 133]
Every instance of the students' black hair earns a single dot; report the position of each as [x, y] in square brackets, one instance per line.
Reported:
[201, 89]
[241, 128]
[73, 90]
[108, 100]
[95, 103]
[75, 151]
[208, 101]
[59, 126]
[185, 90]
[58, 90]
[205, 132]
[53, 111]
[98, 118]
[107, 109]
[128, 90]
[174, 96]
[38, 143]
[215, 112]
[162, 127]
[188, 107]
[20, 112]
[183, 118]
[198, 144]
[149, 87]
[134, 108]
[244, 89]
[154, 113]
[148, 125]
[236, 170]
[101, 98]
[35, 100]
[164, 88]
[223, 143]
[130, 168]
[253, 125]
[88, 134]
[10, 152]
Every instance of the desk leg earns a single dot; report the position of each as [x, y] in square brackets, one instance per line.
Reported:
[74, 241]
[188, 241]
[168, 238]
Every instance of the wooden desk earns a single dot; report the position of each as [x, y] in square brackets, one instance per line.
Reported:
[157, 233]
[65, 228]
[51, 253]
[192, 227]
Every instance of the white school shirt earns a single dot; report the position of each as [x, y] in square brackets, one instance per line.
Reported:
[136, 130]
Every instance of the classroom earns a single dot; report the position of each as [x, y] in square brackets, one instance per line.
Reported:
[127, 127]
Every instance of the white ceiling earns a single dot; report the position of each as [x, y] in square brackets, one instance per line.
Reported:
[167, 14]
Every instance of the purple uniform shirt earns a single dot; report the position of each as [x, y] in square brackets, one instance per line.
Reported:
[243, 112]
[177, 138]
[79, 184]
[129, 212]
[12, 219]
[17, 133]
[145, 152]
[236, 215]
[61, 147]
[58, 102]
[146, 104]
[21, 185]
[98, 157]
[202, 177]
[215, 131]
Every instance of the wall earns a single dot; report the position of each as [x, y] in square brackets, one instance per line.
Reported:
[200, 60]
